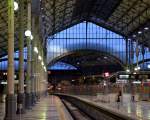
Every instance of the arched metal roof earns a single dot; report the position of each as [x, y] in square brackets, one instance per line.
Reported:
[4, 26]
[125, 17]
[93, 37]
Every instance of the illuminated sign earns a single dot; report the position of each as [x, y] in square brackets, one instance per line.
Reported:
[123, 76]
[106, 74]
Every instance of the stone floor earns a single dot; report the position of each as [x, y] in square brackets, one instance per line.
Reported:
[140, 110]
[49, 108]
[2, 111]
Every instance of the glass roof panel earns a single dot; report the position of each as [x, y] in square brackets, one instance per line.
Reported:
[87, 35]
[62, 66]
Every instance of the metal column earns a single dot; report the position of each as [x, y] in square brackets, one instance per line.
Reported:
[28, 77]
[10, 113]
[21, 95]
[33, 65]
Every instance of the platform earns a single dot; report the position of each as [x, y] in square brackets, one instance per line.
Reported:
[49, 108]
[140, 109]
[2, 110]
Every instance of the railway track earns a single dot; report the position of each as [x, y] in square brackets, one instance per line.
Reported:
[75, 112]
[81, 109]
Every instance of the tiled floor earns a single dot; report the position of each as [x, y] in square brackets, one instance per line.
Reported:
[50, 108]
[141, 109]
[44, 110]
[47, 109]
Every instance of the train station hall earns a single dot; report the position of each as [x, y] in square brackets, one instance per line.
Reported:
[74, 59]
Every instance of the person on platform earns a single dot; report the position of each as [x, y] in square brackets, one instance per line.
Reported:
[119, 96]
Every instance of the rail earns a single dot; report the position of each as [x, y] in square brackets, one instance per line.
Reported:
[94, 111]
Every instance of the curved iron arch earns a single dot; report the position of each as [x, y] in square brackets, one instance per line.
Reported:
[72, 52]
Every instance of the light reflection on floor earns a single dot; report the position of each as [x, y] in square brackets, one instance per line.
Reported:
[141, 109]
[43, 116]
[138, 109]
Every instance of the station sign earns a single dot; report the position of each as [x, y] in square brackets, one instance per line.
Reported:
[123, 76]
[133, 76]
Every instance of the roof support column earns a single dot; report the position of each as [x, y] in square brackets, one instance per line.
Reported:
[40, 68]
[35, 52]
[32, 75]
[38, 73]
[43, 79]
[38, 81]
[33, 64]
[10, 113]
[127, 54]
[21, 95]
[126, 40]
[36, 67]
[45, 84]
[28, 77]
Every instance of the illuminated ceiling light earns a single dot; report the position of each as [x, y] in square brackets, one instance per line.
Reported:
[148, 66]
[127, 70]
[16, 6]
[5, 73]
[4, 83]
[45, 68]
[129, 39]
[39, 57]
[42, 63]
[105, 57]
[36, 50]
[140, 32]
[138, 67]
[15, 76]
[134, 36]
[135, 68]
[134, 73]
[104, 83]
[31, 37]
[27, 33]
[146, 28]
